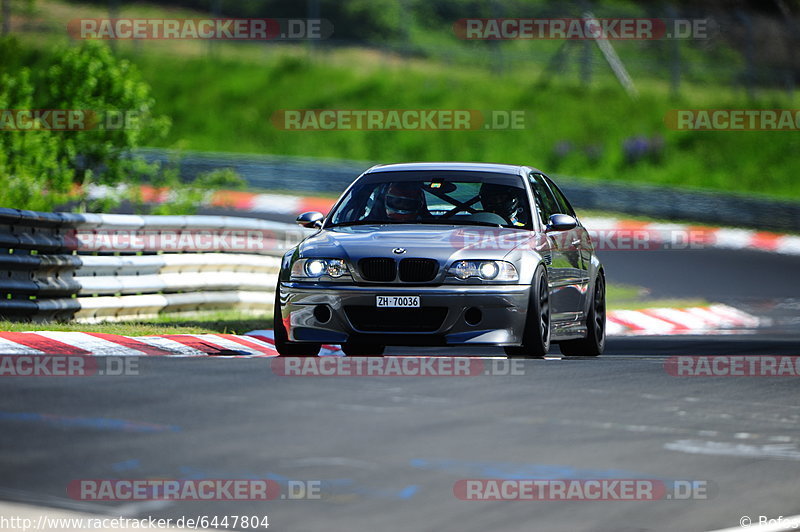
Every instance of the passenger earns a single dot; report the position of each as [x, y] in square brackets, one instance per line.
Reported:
[503, 201]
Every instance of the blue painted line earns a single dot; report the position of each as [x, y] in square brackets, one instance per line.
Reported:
[98, 423]
[332, 486]
[408, 492]
[511, 470]
[126, 465]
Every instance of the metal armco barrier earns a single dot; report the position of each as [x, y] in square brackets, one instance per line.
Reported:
[310, 175]
[96, 267]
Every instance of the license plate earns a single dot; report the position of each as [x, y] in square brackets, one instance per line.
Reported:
[398, 301]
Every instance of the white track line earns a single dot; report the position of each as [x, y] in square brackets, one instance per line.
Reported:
[678, 316]
[648, 323]
[614, 328]
[327, 350]
[93, 344]
[710, 316]
[714, 319]
[178, 348]
[7, 347]
[740, 318]
[275, 204]
[789, 245]
[258, 341]
[790, 523]
[225, 343]
[732, 238]
[44, 518]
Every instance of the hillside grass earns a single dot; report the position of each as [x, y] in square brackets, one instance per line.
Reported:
[222, 98]
[244, 97]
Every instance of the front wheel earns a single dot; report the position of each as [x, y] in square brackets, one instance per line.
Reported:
[536, 336]
[282, 343]
[595, 340]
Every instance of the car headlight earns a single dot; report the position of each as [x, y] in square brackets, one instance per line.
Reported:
[486, 270]
[316, 268]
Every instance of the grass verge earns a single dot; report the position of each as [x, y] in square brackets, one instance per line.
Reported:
[226, 322]
[629, 297]
[618, 296]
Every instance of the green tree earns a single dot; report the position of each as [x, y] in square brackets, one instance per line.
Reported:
[95, 166]
[91, 78]
[40, 168]
[33, 175]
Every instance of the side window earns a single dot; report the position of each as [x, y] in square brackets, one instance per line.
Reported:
[360, 203]
[544, 197]
[372, 207]
[344, 210]
[563, 204]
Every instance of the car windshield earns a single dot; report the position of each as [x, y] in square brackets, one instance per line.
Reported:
[449, 198]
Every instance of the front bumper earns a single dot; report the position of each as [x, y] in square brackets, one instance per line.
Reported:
[502, 310]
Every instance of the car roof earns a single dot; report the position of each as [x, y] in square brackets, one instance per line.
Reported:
[453, 166]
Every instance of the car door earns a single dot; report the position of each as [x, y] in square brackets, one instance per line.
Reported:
[568, 269]
[580, 241]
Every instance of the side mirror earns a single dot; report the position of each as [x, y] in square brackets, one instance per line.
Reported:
[561, 222]
[311, 219]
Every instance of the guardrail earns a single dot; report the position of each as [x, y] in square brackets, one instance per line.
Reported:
[313, 175]
[105, 267]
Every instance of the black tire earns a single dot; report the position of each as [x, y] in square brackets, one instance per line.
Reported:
[363, 350]
[595, 340]
[536, 336]
[282, 343]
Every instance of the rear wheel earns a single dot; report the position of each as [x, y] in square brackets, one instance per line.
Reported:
[536, 336]
[363, 350]
[595, 340]
[282, 343]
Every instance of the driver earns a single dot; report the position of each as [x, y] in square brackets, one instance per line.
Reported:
[503, 201]
[404, 202]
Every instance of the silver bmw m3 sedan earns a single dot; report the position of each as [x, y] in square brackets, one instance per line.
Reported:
[443, 254]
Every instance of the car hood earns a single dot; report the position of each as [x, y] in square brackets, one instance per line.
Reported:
[443, 243]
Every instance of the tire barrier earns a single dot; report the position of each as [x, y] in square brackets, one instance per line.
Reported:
[106, 267]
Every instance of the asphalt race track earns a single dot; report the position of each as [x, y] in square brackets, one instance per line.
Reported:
[386, 452]
[718, 274]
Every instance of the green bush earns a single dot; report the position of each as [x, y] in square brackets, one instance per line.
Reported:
[42, 166]
[29, 161]
[91, 77]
